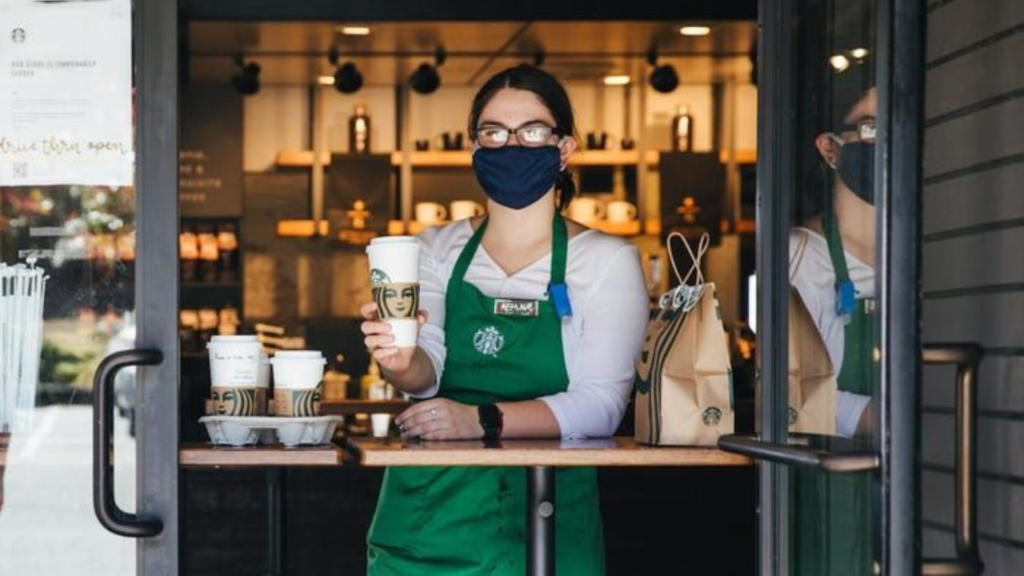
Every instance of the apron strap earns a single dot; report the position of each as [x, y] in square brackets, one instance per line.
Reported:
[559, 253]
[846, 296]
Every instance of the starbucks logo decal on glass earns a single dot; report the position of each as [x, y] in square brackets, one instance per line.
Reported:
[488, 341]
[792, 416]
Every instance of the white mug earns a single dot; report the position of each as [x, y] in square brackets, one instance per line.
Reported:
[621, 211]
[586, 210]
[430, 213]
[462, 209]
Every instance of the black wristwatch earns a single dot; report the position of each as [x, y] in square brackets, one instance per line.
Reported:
[491, 421]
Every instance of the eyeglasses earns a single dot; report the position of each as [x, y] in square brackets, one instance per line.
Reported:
[530, 135]
[864, 128]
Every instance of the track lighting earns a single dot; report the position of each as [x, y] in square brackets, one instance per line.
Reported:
[664, 78]
[347, 78]
[247, 80]
[426, 78]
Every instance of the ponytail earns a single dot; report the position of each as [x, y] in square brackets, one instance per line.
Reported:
[566, 187]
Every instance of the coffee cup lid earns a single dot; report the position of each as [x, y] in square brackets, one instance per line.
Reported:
[384, 240]
[241, 339]
[299, 355]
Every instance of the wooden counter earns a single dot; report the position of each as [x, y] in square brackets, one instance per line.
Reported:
[349, 407]
[618, 451]
[210, 456]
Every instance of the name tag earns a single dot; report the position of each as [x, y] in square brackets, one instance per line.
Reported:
[516, 307]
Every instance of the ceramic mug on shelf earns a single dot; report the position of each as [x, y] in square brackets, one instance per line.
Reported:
[586, 210]
[430, 213]
[462, 209]
[621, 211]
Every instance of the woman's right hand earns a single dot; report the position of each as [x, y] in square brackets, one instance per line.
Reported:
[379, 340]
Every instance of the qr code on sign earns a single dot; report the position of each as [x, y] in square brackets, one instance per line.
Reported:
[21, 170]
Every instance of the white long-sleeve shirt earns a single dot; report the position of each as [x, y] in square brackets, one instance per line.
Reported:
[600, 342]
[811, 273]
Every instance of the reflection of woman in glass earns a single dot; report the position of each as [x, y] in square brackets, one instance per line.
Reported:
[397, 300]
[832, 259]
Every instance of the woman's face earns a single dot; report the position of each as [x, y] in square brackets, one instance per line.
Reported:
[512, 108]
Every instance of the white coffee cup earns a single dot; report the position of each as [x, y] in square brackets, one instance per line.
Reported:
[621, 211]
[395, 260]
[298, 369]
[586, 210]
[462, 209]
[235, 361]
[430, 213]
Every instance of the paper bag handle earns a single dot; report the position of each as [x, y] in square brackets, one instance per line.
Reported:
[702, 247]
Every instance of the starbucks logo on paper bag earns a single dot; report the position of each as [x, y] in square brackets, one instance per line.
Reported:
[712, 416]
[488, 341]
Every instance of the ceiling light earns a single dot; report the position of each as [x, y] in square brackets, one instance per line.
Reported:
[664, 78]
[348, 79]
[247, 80]
[695, 30]
[839, 62]
[325, 80]
[426, 78]
[355, 30]
[616, 80]
[859, 53]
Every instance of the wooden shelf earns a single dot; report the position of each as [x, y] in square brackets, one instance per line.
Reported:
[463, 158]
[618, 451]
[209, 456]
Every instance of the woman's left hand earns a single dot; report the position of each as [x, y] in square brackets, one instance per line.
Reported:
[440, 419]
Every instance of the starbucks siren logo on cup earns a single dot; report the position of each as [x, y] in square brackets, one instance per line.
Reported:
[394, 280]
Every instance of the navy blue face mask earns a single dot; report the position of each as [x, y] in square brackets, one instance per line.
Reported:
[517, 176]
[857, 169]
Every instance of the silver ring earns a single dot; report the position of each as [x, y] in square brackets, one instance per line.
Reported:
[433, 413]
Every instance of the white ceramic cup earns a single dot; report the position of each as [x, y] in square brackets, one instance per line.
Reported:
[235, 361]
[621, 211]
[462, 209]
[586, 210]
[298, 369]
[430, 213]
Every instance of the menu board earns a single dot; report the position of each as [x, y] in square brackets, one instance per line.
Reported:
[66, 93]
[210, 155]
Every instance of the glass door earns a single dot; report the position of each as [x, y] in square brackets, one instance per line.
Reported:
[838, 242]
[88, 341]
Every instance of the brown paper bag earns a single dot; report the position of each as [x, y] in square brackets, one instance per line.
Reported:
[684, 377]
[812, 379]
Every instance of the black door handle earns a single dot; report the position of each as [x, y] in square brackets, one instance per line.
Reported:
[802, 456]
[107, 512]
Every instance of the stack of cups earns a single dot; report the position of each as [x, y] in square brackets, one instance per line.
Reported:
[394, 278]
[239, 376]
[298, 379]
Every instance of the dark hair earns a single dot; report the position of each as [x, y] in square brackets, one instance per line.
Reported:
[551, 93]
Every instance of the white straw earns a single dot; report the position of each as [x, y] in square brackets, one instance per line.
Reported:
[22, 290]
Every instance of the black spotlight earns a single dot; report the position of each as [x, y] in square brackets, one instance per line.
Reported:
[664, 78]
[247, 80]
[348, 79]
[426, 78]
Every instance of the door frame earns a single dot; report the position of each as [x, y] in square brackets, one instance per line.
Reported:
[900, 73]
[155, 40]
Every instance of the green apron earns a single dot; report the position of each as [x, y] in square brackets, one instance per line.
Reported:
[471, 521]
[833, 512]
